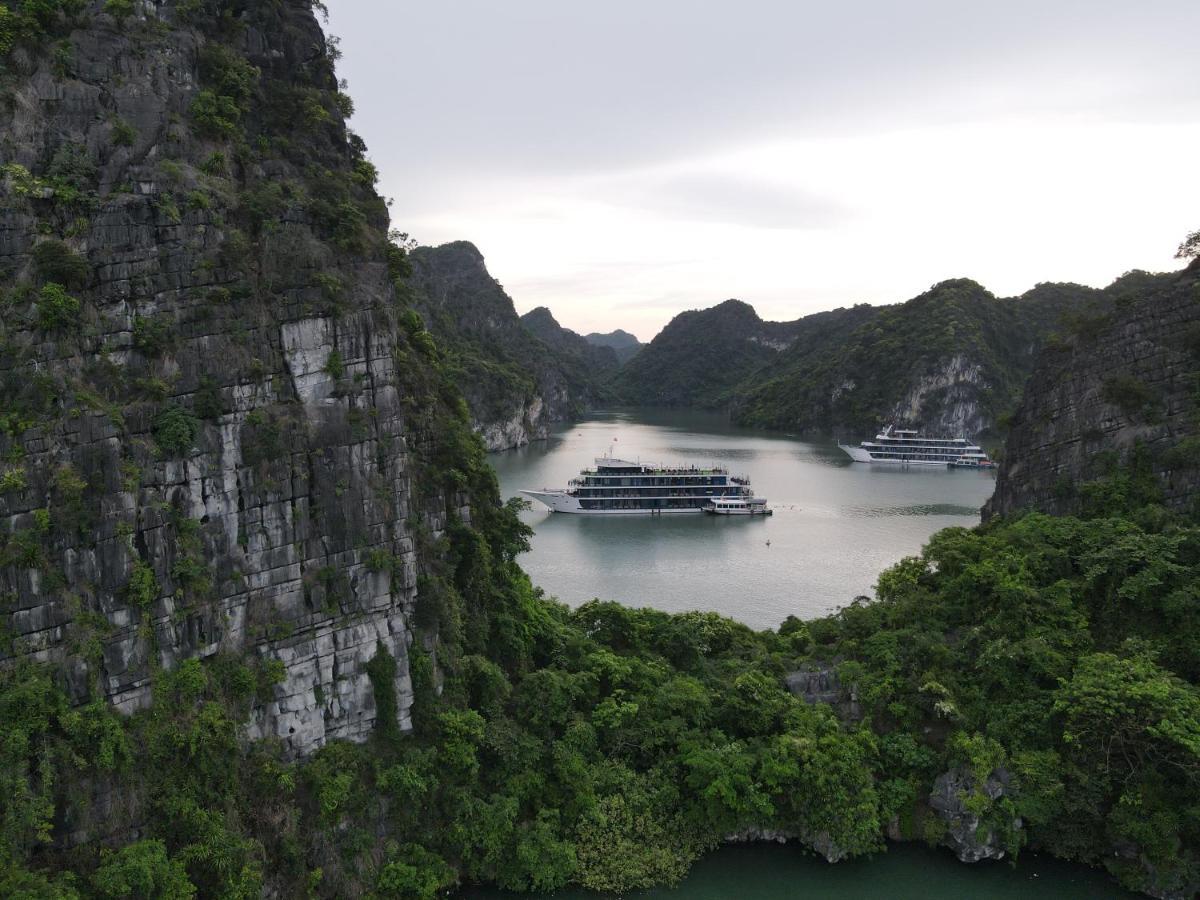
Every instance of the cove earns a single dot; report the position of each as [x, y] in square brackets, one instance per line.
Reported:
[904, 872]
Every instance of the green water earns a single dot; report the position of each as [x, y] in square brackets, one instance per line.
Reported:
[904, 872]
[836, 524]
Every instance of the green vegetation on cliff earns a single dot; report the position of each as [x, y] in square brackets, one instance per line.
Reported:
[624, 344]
[954, 358]
[516, 378]
[609, 747]
[599, 360]
[703, 354]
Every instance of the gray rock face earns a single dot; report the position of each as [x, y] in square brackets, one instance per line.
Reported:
[516, 384]
[1094, 399]
[946, 400]
[820, 843]
[822, 685]
[964, 834]
[816, 686]
[284, 522]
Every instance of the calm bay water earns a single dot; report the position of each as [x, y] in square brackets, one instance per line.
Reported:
[837, 524]
[904, 872]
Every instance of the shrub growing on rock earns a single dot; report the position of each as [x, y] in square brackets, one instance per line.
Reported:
[55, 261]
[175, 430]
[152, 336]
[56, 309]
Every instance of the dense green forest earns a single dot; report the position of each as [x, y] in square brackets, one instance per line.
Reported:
[972, 348]
[609, 746]
[701, 355]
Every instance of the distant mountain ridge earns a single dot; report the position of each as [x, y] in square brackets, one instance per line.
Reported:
[953, 360]
[625, 344]
[701, 354]
[516, 384]
[540, 322]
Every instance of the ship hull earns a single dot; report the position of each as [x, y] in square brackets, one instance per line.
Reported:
[562, 502]
[858, 454]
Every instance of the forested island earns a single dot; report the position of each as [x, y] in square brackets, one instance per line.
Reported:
[265, 630]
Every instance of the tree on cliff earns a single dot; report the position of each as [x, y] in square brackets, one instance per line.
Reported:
[1190, 248]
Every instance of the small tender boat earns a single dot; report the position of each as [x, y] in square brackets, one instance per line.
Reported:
[736, 506]
[971, 462]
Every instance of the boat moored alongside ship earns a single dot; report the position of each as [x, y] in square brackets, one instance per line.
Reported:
[738, 506]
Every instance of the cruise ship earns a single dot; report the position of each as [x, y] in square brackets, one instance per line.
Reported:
[907, 447]
[620, 487]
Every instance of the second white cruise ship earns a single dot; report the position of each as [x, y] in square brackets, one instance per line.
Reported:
[907, 447]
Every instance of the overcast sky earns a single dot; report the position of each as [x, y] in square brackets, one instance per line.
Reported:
[622, 161]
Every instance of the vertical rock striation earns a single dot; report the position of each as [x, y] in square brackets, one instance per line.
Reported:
[214, 411]
[517, 385]
[1124, 391]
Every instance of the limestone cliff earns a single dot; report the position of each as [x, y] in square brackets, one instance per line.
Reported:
[599, 359]
[702, 355]
[1117, 397]
[952, 360]
[516, 384]
[215, 413]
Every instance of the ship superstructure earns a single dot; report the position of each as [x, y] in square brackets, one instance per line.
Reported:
[908, 447]
[620, 487]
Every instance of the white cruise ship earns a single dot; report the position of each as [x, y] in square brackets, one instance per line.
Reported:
[620, 487]
[907, 447]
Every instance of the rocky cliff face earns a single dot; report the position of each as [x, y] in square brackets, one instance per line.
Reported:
[1117, 396]
[215, 413]
[957, 799]
[517, 385]
[950, 361]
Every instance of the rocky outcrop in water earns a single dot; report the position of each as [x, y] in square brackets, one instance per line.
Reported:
[821, 844]
[701, 355]
[951, 361]
[966, 833]
[1116, 395]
